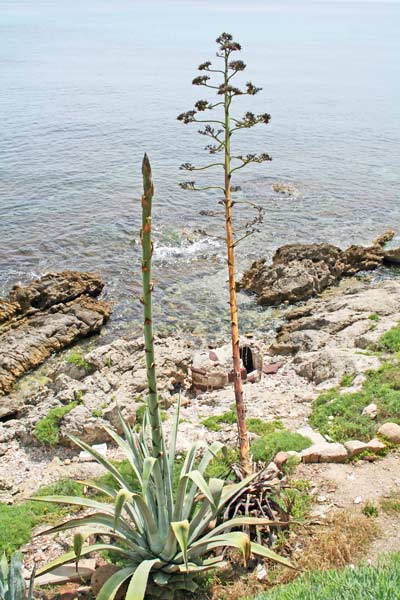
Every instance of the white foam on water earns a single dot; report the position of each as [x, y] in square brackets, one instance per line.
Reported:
[202, 247]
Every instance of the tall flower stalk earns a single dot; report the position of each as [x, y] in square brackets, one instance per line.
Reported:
[147, 253]
[220, 130]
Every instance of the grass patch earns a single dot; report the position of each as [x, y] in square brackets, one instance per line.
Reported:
[347, 380]
[373, 317]
[17, 521]
[77, 359]
[47, 430]
[370, 510]
[254, 425]
[263, 427]
[266, 447]
[381, 582]
[214, 422]
[340, 415]
[391, 505]
[390, 341]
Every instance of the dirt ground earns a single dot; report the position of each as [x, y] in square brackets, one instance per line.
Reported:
[338, 487]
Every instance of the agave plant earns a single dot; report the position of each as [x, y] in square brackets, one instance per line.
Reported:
[164, 537]
[12, 582]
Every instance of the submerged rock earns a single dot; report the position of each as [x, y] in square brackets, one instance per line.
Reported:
[44, 317]
[301, 271]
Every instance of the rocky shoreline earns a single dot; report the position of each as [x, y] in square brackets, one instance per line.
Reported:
[317, 344]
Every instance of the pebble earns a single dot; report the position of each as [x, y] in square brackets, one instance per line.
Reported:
[357, 500]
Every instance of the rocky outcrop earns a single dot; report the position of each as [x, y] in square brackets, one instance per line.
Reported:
[114, 382]
[301, 271]
[327, 338]
[44, 317]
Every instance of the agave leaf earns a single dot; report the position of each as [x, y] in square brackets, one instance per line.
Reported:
[161, 578]
[200, 520]
[209, 453]
[267, 553]
[138, 583]
[174, 436]
[70, 556]
[121, 499]
[131, 456]
[102, 460]
[100, 487]
[148, 466]
[31, 583]
[76, 501]
[181, 503]
[216, 487]
[113, 583]
[17, 587]
[78, 542]
[4, 566]
[234, 539]
[201, 483]
[181, 532]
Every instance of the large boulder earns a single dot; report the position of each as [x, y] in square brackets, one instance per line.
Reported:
[301, 271]
[45, 317]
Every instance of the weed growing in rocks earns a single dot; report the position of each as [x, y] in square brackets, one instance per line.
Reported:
[370, 510]
[390, 341]
[47, 430]
[75, 358]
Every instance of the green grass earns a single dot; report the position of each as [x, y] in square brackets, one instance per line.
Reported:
[340, 415]
[347, 380]
[263, 427]
[76, 358]
[47, 430]
[390, 341]
[373, 317]
[370, 510]
[214, 422]
[266, 447]
[254, 425]
[17, 521]
[380, 582]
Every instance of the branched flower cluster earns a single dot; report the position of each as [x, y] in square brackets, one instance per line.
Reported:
[187, 167]
[204, 66]
[251, 89]
[237, 65]
[213, 149]
[254, 158]
[187, 117]
[210, 132]
[225, 41]
[188, 185]
[229, 89]
[201, 80]
[250, 119]
[235, 188]
[203, 105]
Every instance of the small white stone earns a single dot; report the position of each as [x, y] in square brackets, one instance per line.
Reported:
[358, 500]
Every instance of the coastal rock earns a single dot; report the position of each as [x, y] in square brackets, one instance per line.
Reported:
[47, 316]
[390, 431]
[370, 411]
[392, 256]
[334, 453]
[301, 271]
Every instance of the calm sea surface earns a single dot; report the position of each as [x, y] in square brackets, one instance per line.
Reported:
[87, 87]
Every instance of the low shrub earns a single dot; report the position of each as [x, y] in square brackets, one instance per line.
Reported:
[266, 447]
[47, 430]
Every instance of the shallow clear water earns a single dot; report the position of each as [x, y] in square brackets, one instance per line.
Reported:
[87, 87]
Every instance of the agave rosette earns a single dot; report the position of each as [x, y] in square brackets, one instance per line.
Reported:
[164, 537]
